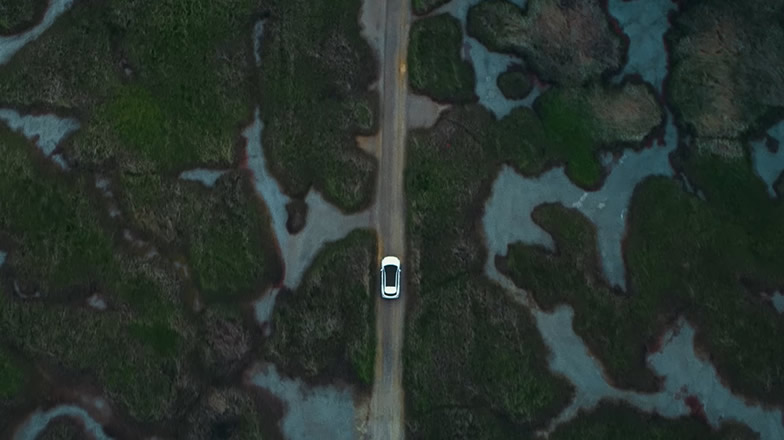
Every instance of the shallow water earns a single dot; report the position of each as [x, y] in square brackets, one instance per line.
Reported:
[689, 375]
[487, 65]
[202, 175]
[777, 298]
[258, 32]
[769, 166]
[37, 422]
[325, 222]
[644, 22]
[508, 219]
[508, 211]
[10, 45]
[97, 302]
[47, 131]
[684, 372]
[311, 412]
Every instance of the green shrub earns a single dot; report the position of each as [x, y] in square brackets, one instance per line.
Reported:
[514, 84]
[314, 78]
[18, 15]
[12, 376]
[63, 252]
[567, 43]
[464, 353]
[327, 326]
[434, 64]
[717, 90]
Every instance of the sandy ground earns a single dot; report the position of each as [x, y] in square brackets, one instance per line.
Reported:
[46, 131]
[369, 144]
[422, 112]
[371, 22]
[769, 166]
[10, 45]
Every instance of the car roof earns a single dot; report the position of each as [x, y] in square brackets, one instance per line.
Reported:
[390, 261]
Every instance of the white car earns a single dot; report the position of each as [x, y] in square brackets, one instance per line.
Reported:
[390, 277]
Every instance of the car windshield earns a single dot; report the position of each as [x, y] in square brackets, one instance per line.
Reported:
[389, 273]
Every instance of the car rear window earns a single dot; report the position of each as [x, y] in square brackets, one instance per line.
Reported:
[389, 273]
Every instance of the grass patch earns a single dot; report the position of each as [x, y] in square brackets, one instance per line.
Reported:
[315, 72]
[60, 249]
[610, 421]
[60, 244]
[327, 326]
[434, 63]
[224, 231]
[706, 260]
[709, 71]
[567, 43]
[468, 346]
[160, 88]
[164, 85]
[12, 377]
[134, 373]
[18, 15]
[464, 354]
[583, 120]
[514, 84]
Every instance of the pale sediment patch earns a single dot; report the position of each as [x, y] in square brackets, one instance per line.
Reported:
[296, 250]
[371, 23]
[311, 412]
[204, 176]
[645, 23]
[97, 302]
[422, 112]
[36, 423]
[369, 144]
[10, 45]
[103, 184]
[46, 131]
[508, 211]
[767, 164]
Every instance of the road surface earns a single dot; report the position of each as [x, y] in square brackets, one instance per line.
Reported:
[386, 406]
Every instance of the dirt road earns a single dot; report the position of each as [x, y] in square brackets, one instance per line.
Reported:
[386, 406]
